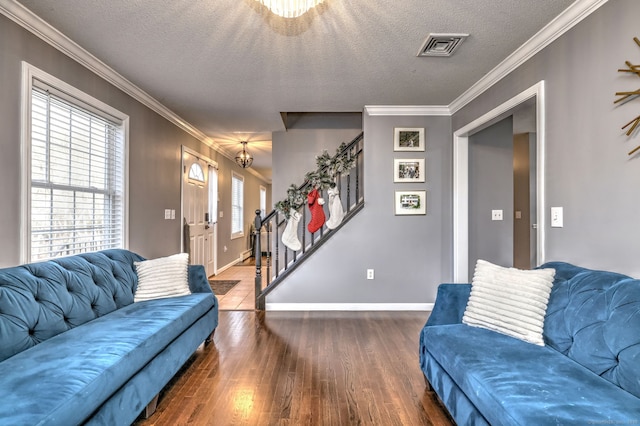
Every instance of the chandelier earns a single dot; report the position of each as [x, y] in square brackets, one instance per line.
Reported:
[290, 8]
[243, 158]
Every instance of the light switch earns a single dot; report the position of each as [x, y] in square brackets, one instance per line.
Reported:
[496, 214]
[167, 214]
[557, 220]
[173, 214]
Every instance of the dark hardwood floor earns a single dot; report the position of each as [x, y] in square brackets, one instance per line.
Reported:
[304, 368]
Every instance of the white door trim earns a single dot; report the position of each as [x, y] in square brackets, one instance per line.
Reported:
[461, 177]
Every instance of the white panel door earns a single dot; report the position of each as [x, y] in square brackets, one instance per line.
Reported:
[195, 201]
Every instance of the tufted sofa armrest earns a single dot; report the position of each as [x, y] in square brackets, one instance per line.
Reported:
[451, 301]
[198, 282]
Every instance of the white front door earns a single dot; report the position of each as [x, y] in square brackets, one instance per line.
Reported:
[199, 230]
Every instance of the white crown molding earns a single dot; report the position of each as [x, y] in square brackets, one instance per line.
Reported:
[574, 14]
[407, 110]
[579, 10]
[349, 306]
[250, 170]
[50, 35]
[31, 22]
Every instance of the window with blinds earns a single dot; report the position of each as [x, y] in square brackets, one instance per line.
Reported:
[237, 205]
[77, 175]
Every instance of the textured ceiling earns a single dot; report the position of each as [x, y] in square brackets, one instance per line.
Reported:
[229, 67]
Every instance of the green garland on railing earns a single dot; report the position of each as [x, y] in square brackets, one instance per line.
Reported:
[295, 199]
[322, 178]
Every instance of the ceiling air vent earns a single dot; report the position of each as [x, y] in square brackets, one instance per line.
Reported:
[441, 44]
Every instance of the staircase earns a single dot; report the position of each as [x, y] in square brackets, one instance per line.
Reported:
[280, 260]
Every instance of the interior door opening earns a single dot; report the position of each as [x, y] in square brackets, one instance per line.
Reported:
[502, 173]
[461, 189]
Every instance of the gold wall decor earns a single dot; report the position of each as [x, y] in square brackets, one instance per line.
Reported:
[628, 95]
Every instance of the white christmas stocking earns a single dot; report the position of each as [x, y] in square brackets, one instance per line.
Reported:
[290, 234]
[336, 213]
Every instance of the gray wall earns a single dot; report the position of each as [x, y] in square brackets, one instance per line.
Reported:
[411, 255]
[252, 184]
[491, 188]
[294, 154]
[588, 171]
[154, 153]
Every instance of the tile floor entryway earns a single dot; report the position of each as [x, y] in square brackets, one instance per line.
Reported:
[242, 296]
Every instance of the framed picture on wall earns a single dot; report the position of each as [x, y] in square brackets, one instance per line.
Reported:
[410, 202]
[408, 139]
[408, 170]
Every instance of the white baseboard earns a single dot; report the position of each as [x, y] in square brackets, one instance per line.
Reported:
[243, 256]
[225, 267]
[349, 306]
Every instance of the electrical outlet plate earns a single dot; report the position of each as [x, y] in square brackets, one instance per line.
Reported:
[370, 274]
[496, 214]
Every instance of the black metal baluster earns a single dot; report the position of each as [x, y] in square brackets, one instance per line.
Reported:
[258, 257]
[277, 244]
[268, 254]
[304, 232]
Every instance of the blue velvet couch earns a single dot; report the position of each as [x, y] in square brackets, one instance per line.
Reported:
[588, 372]
[75, 348]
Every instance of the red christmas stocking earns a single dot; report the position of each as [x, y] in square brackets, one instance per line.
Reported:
[317, 212]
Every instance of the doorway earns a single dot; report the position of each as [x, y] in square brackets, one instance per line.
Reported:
[461, 188]
[199, 209]
[502, 191]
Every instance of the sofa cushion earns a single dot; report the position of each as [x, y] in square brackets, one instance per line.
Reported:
[512, 382]
[509, 300]
[41, 300]
[65, 378]
[593, 317]
[162, 277]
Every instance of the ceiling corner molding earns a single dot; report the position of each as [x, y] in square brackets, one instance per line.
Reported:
[259, 175]
[574, 14]
[427, 110]
[40, 28]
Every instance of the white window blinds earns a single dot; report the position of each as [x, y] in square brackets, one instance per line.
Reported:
[77, 178]
[237, 205]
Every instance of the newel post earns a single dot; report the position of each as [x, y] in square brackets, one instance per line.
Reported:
[257, 252]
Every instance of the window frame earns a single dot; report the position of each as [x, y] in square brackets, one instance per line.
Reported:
[263, 201]
[214, 194]
[197, 178]
[237, 234]
[81, 100]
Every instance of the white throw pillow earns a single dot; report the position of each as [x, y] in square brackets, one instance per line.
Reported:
[162, 277]
[509, 301]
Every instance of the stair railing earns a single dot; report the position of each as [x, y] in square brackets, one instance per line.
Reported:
[281, 260]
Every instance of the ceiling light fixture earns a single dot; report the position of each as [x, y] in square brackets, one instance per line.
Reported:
[243, 158]
[290, 8]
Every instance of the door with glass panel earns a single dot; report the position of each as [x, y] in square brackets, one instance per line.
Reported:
[199, 197]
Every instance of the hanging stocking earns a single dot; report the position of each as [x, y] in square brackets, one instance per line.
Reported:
[290, 234]
[317, 212]
[336, 213]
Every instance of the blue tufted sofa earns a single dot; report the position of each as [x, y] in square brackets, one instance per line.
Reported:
[588, 372]
[75, 348]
